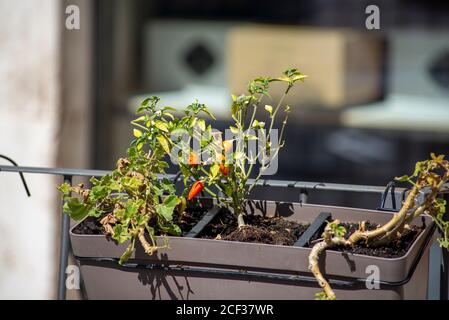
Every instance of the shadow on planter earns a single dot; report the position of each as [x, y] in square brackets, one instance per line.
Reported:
[196, 268]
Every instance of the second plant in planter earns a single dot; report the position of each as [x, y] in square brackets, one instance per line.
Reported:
[249, 150]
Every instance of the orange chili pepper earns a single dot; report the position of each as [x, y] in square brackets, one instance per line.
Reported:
[227, 146]
[224, 169]
[193, 159]
[196, 188]
[220, 158]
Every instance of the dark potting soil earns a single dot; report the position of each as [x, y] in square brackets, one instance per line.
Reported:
[273, 230]
[91, 225]
[395, 249]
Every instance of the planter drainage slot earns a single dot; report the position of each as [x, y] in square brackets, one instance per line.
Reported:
[207, 218]
[315, 227]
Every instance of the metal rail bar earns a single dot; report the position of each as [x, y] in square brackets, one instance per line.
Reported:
[263, 182]
[64, 248]
[56, 171]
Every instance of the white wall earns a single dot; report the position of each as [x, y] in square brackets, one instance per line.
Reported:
[29, 103]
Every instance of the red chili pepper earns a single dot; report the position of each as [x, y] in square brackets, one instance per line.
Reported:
[224, 169]
[196, 188]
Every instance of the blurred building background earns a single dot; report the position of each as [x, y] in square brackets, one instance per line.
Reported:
[375, 102]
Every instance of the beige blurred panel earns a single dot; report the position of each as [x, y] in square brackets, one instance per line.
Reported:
[29, 109]
[76, 88]
[75, 131]
[344, 67]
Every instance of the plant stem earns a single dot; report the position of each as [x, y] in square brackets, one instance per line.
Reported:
[369, 235]
[140, 126]
[240, 220]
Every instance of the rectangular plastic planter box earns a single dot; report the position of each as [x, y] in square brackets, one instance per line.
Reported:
[195, 268]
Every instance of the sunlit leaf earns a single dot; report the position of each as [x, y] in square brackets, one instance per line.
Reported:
[269, 108]
[137, 133]
[161, 125]
[164, 143]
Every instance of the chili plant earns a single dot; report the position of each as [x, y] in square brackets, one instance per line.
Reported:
[426, 182]
[132, 203]
[230, 163]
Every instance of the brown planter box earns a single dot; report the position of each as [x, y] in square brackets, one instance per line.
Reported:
[215, 269]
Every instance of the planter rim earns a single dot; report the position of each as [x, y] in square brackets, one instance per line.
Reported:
[251, 244]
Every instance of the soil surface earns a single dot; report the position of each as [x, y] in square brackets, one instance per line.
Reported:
[277, 230]
[395, 249]
[259, 229]
[188, 219]
[91, 226]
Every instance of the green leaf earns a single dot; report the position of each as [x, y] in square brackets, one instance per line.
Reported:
[258, 124]
[164, 143]
[234, 130]
[141, 118]
[234, 110]
[172, 229]
[444, 243]
[269, 108]
[137, 133]
[403, 178]
[76, 209]
[193, 122]
[214, 169]
[251, 137]
[94, 212]
[128, 252]
[139, 146]
[131, 209]
[132, 183]
[164, 108]
[165, 211]
[202, 124]
[322, 296]
[179, 131]
[65, 188]
[171, 201]
[206, 111]
[168, 114]
[166, 208]
[99, 192]
[161, 125]
[121, 234]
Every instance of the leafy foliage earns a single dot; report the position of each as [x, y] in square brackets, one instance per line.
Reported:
[336, 229]
[322, 296]
[228, 170]
[431, 175]
[132, 202]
